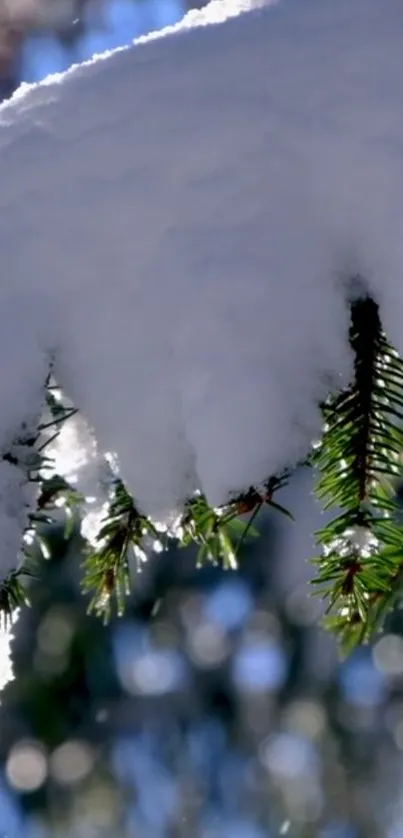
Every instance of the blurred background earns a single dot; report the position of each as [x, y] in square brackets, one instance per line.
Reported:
[216, 708]
[40, 37]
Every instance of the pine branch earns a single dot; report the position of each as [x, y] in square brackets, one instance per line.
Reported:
[29, 453]
[107, 567]
[357, 461]
[218, 532]
[210, 529]
[12, 596]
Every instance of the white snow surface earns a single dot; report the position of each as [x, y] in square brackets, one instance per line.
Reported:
[16, 501]
[6, 662]
[177, 223]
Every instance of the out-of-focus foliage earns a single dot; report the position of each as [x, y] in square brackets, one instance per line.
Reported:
[214, 707]
[40, 37]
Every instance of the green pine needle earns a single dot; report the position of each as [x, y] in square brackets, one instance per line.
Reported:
[107, 567]
[357, 462]
[12, 597]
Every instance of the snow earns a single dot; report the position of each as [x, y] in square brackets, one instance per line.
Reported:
[178, 221]
[75, 454]
[6, 664]
[16, 502]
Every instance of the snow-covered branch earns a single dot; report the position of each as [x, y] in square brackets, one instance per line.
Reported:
[179, 221]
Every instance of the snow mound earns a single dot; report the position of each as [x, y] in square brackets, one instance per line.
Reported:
[178, 221]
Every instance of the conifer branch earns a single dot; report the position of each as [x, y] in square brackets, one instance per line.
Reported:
[29, 454]
[107, 566]
[126, 533]
[12, 596]
[357, 460]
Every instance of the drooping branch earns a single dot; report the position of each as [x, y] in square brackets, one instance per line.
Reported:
[357, 462]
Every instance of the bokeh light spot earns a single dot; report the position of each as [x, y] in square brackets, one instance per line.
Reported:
[388, 654]
[71, 762]
[260, 665]
[26, 767]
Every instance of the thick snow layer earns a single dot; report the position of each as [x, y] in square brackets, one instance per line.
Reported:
[177, 223]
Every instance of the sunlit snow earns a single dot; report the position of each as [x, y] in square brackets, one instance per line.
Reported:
[178, 223]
